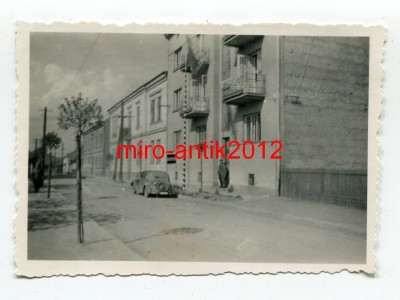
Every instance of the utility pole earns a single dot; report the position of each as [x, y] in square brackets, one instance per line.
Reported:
[62, 158]
[43, 139]
[201, 168]
[121, 138]
[35, 145]
[55, 161]
[120, 142]
[49, 178]
[42, 171]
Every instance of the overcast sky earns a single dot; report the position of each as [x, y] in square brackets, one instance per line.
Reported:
[103, 66]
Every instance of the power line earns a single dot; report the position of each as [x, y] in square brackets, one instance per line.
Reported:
[80, 68]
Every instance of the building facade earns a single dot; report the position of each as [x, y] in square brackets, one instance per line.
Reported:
[311, 93]
[142, 115]
[94, 157]
[70, 163]
[194, 100]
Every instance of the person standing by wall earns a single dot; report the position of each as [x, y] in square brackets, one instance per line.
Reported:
[222, 172]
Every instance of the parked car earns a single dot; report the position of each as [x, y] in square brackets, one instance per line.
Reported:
[153, 183]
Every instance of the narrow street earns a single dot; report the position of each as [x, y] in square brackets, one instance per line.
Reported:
[191, 229]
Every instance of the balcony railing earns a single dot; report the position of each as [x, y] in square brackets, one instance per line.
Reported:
[197, 107]
[198, 64]
[239, 40]
[244, 89]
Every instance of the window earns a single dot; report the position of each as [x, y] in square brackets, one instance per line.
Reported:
[152, 112]
[194, 91]
[201, 134]
[226, 62]
[138, 159]
[158, 152]
[138, 116]
[226, 117]
[177, 138]
[255, 65]
[130, 117]
[114, 126]
[159, 108]
[241, 62]
[198, 88]
[252, 127]
[177, 99]
[101, 139]
[155, 107]
[203, 83]
[178, 58]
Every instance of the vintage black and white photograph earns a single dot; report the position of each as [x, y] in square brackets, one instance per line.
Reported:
[235, 151]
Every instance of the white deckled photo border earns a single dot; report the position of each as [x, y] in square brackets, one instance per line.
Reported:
[45, 268]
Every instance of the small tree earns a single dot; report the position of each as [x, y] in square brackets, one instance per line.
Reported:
[52, 141]
[79, 114]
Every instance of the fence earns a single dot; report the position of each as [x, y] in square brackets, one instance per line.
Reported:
[340, 187]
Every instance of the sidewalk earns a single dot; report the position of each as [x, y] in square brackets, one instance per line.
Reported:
[53, 233]
[61, 243]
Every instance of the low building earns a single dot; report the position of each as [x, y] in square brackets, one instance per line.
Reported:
[143, 116]
[94, 158]
[70, 163]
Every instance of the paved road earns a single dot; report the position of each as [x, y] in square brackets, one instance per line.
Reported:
[188, 229]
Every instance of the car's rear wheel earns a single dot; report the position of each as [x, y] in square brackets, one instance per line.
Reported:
[146, 192]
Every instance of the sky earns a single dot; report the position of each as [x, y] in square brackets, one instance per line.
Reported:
[102, 66]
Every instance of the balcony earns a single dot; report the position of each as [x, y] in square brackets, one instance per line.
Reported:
[239, 40]
[197, 107]
[244, 89]
[195, 61]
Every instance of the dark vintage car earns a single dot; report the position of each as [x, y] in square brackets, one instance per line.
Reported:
[153, 183]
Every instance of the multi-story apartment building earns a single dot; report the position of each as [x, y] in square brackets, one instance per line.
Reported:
[194, 104]
[95, 150]
[143, 117]
[312, 94]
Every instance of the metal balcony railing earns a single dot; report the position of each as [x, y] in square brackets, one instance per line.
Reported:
[201, 59]
[197, 106]
[244, 86]
[198, 103]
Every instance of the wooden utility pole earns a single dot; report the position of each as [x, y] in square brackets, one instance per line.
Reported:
[79, 188]
[121, 139]
[49, 178]
[201, 168]
[62, 158]
[44, 143]
[120, 142]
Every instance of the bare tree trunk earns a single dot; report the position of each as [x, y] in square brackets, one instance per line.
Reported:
[79, 190]
[49, 179]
